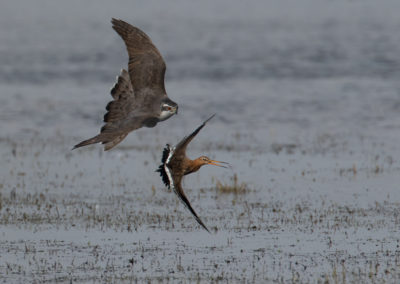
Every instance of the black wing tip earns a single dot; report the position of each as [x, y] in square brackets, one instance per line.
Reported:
[161, 168]
[186, 202]
[163, 175]
[203, 124]
[165, 153]
[204, 226]
[200, 222]
[209, 118]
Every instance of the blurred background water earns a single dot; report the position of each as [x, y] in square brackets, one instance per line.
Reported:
[284, 66]
[44, 41]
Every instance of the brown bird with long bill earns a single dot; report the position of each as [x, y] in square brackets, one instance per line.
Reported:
[175, 165]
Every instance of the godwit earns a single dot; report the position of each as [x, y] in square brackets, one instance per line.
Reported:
[175, 164]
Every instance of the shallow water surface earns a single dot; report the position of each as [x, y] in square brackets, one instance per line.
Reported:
[307, 103]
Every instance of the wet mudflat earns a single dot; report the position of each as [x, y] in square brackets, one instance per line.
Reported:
[307, 208]
[307, 115]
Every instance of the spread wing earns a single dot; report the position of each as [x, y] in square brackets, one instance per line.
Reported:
[181, 147]
[146, 65]
[137, 93]
[124, 100]
[171, 171]
[177, 187]
[122, 115]
[172, 179]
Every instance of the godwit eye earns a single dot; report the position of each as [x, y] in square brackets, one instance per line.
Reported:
[169, 108]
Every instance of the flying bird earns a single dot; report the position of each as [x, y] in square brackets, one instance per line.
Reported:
[139, 96]
[175, 164]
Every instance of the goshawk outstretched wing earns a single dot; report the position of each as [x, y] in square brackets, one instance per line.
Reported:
[138, 93]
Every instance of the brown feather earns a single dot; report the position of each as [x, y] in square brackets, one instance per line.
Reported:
[122, 86]
[181, 146]
[179, 191]
[114, 142]
[146, 65]
[123, 95]
[117, 110]
[138, 92]
[179, 165]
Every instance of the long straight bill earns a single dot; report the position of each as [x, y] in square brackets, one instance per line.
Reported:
[218, 163]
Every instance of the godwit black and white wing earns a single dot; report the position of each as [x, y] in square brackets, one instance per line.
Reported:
[139, 96]
[175, 164]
